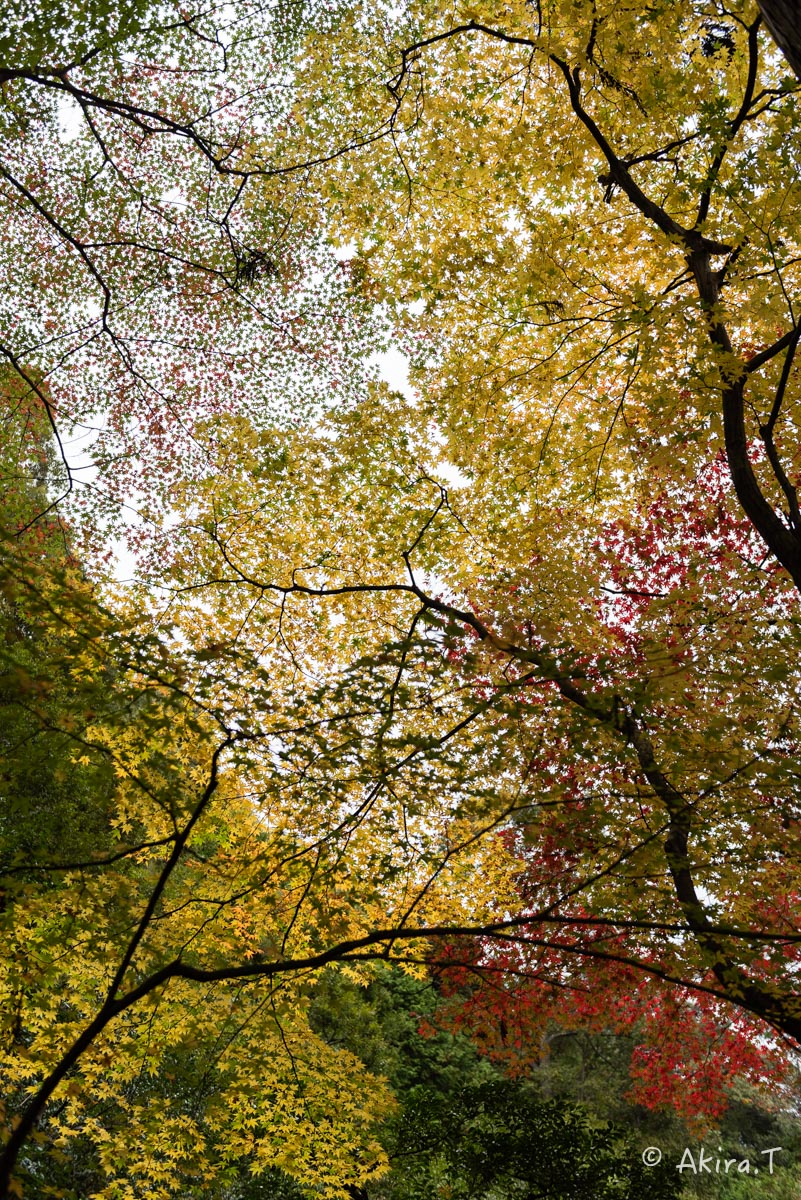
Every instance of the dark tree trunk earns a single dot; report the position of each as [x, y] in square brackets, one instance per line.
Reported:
[783, 19]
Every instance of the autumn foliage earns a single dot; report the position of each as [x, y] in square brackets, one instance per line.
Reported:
[492, 678]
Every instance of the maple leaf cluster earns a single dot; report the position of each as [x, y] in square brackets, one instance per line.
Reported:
[492, 677]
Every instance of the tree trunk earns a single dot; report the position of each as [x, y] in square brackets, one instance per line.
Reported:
[783, 19]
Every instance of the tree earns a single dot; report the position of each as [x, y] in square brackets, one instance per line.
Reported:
[781, 19]
[504, 1139]
[145, 285]
[462, 1127]
[589, 404]
[458, 1113]
[552, 704]
[123, 833]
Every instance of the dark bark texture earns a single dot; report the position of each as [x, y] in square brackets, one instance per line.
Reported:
[783, 19]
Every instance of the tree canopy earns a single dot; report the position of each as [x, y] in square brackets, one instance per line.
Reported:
[495, 676]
